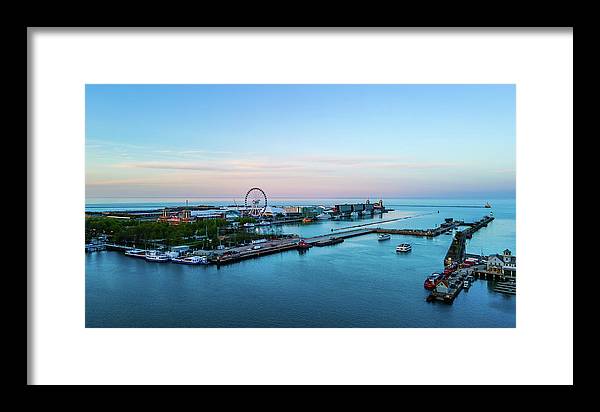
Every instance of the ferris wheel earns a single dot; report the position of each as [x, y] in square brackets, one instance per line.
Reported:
[255, 202]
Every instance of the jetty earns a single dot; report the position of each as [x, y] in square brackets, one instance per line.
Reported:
[457, 250]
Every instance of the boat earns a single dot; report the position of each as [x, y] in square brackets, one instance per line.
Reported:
[248, 224]
[324, 216]
[432, 280]
[303, 245]
[403, 247]
[156, 256]
[384, 236]
[191, 260]
[487, 205]
[354, 214]
[466, 284]
[307, 220]
[139, 253]
[264, 223]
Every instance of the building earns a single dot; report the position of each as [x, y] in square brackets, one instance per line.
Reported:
[442, 287]
[345, 209]
[273, 211]
[211, 214]
[505, 264]
[293, 211]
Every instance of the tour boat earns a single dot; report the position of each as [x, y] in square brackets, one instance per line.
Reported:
[432, 281]
[155, 256]
[384, 236]
[139, 253]
[404, 247]
[191, 260]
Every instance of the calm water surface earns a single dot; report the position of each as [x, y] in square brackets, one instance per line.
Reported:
[358, 283]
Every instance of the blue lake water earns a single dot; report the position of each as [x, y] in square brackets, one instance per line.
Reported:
[358, 283]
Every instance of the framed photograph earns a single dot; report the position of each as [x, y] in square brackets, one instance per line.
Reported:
[273, 206]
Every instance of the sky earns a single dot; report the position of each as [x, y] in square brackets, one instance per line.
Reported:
[303, 141]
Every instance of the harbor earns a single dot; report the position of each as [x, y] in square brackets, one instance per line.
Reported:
[446, 287]
[338, 236]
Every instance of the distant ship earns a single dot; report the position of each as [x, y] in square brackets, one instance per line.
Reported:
[487, 205]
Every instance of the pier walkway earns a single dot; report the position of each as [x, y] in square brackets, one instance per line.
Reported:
[379, 222]
[457, 250]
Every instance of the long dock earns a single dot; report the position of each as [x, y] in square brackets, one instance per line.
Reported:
[421, 232]
[248, 254]
[382, 221]
[457, 250]
[290, 244]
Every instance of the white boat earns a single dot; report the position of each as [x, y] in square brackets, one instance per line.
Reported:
[191, 260]
[324, 216]
[140, 253]
[263, 223]
[384, 236]
[248, 224]
[156, 256]
[354, 214]
[403, 247]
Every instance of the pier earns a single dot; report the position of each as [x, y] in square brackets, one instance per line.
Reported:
[457, 250]
[382, 221]
[448, 295]
[421, 232]
[235, 256]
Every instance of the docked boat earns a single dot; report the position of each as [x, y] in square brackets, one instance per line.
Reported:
[139, 253]
[403, 247]
[307, 220]
[191, 260]
[432, 280]
[264, 223]
[248, 224]
[354, 214]
[304, 245]
[324, 216]
[155, 256]
[384, 236]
